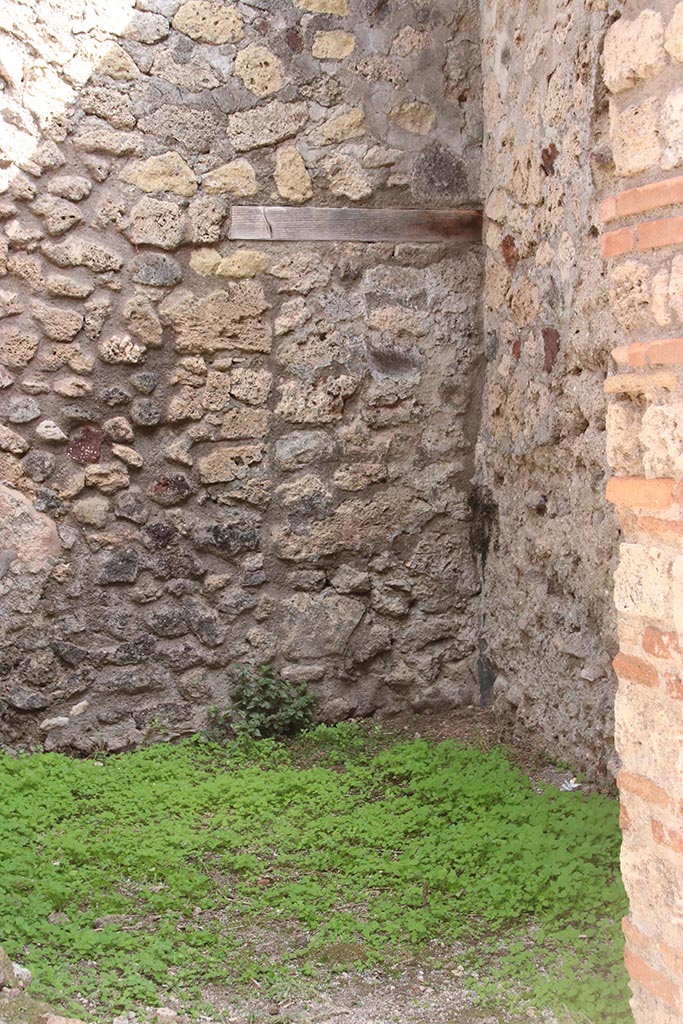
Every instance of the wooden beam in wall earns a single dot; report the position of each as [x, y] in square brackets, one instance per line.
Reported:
[334, 224]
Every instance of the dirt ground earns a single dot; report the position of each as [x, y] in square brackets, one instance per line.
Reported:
[480, 727]
[413, 996]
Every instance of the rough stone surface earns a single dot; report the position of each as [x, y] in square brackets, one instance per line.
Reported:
[348, 125]
[292, 179]
[348, 178]
[7, 976]
[156, 222]
[544, 531]
[56, 322]
[259, 69]
[17, 346]
[635, 135]
[237, 178]
[644, 444]
[156, 269]
[673, 40]
[266, 125]
[167, 172]
[324, 6]
[208, 22]
[414, 117]
[29, 549]
[633, 50]
[333, 45]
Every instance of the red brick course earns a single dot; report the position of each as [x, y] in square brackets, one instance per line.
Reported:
[665, 352]
[642, 199]
[668, 530]
[616, 243]
[655, 234]
[633, 935]
[654, 981]
[665, 836]
[635, 669]
[658, 352]
[645, 789]
[674, 685]
[637, 492]
[660, 644]
[673, 958]
[645, 948]
[650, 512]
[650, 234]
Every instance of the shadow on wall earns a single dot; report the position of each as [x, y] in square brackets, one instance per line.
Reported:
[215, 453]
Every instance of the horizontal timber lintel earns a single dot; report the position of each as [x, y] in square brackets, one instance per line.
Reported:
[335, 224]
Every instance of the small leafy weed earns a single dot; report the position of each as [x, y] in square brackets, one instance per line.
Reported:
[264, 705]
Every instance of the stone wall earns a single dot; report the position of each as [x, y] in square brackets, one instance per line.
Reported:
[642, 239]
[251, 452]
[547, 610]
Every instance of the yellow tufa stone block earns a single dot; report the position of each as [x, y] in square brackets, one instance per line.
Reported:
[671, 128]
[643, 582]
[408, 41]
[635, 136]
[324, 6]
[265, 125]
[167, 172]
[17, 346]
[237, 178]
[226, 464]
[673, 40]
[333, 45]
[209, 22]
[259, 69]
[634, 50]
[640, 383]
[416, 117]
[292, 180]
[118, 65]
[243, 263]
[350, 125]
[661, 440]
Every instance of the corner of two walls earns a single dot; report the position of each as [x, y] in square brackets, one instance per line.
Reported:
[216, 452]
[549, 623]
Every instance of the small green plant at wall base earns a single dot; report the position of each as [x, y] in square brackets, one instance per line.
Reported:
[264, 706]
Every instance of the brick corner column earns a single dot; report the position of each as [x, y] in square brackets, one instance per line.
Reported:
[642, 241]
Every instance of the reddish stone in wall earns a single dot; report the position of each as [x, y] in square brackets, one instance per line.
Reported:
[510, 254]
[170, 489]
[85, 446]
[551, 346]
[548, 158]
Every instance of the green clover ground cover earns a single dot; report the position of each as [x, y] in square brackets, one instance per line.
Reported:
[154, 865]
